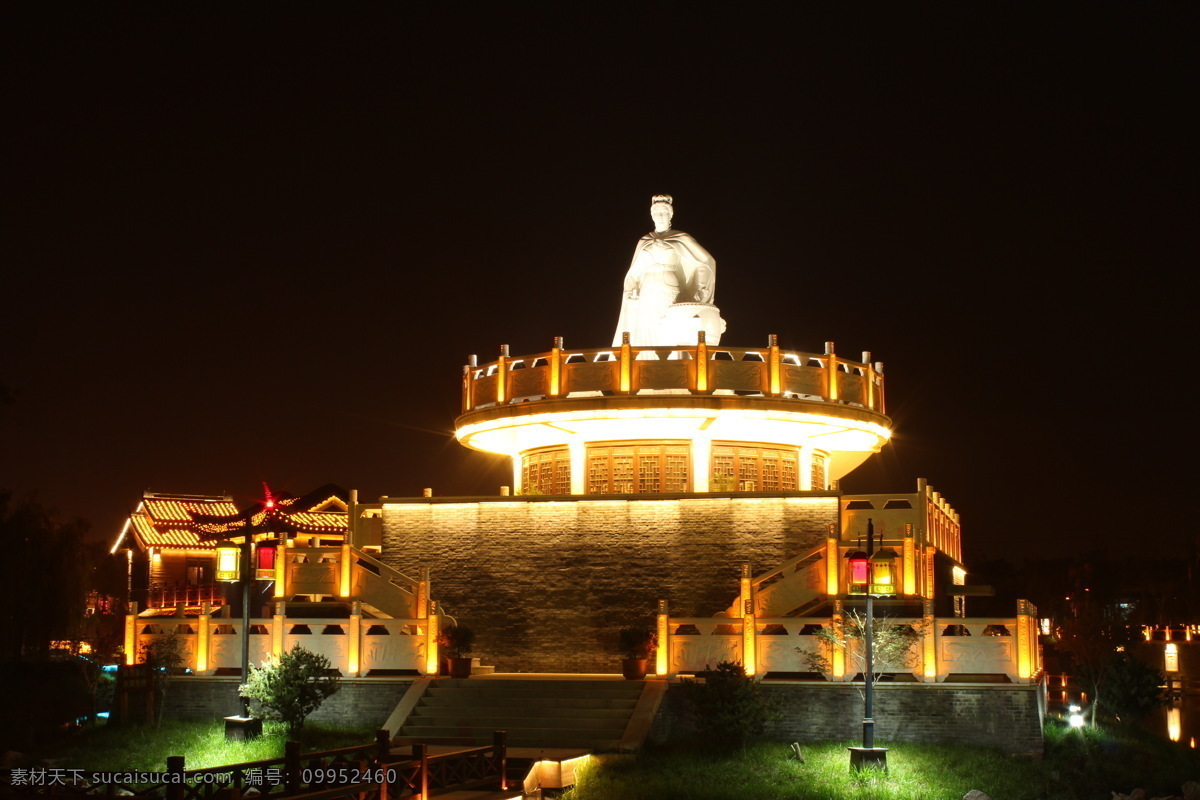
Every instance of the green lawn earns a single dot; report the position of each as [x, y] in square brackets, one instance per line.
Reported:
[201, 743]
[1079, 765]
[765, 771]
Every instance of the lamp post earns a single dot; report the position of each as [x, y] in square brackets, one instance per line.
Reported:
[234, 566]
[871, 573]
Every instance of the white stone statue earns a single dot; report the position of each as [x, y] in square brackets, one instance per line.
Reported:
[669, 287]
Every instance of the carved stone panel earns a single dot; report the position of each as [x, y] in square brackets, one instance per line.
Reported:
[743, 376]
[851, 388]
[698, 653]
[600, 377]
[533, 382]
[803, 380]
[484, 391]
[660, 374]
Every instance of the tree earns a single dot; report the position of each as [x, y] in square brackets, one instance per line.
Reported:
[1134, 689]
[293, 688]
[1094, 639]
[163, 655]
[892, 646]
[43, 579]
[729, 707]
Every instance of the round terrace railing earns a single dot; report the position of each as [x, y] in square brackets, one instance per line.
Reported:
[702, 370]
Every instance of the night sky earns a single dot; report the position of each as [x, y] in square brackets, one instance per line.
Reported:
[258, 246]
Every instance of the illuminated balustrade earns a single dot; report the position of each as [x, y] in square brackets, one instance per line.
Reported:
[702, 370]
[943, 647]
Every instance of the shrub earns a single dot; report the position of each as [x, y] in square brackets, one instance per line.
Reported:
[292, 689]
[456, 641]
[729, 707]
[637, 642]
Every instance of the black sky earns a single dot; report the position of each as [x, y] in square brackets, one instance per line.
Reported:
[246, 246]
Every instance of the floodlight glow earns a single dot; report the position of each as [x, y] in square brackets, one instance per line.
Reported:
[1075, 720]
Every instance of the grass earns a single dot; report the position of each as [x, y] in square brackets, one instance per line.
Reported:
[1079, 765]
[202, 744]
[765, 771]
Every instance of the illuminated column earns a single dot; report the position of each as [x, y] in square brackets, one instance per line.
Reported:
[431, 637]
[831, 371]
[354, 643]
[745, 590]
[131, 636]
[701, 364]
[930, 552]
[910, 561]
[701, 460]
[869, 377]
[833, 583]
[556, 368]
[749, 638]
[1025, 641]
[518, 474]
[577, 448]
[838, 656]
[626, 380]
[422, 599]
[662, 659]
[774, 379]
[344, 582]
[502, 376]
[466, 388]
[282, 556]
[929, 645]
[202, 638]
[805, 468]
[879, 393]
[278, 630]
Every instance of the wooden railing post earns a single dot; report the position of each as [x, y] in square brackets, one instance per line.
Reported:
[383, 745]
[502, 376]
[831, 371]
[421, 755]
[291, 768]
[175, 787]
[556, 367]
[701, 364]
[500, 748]
[625, 379]
[774, 380]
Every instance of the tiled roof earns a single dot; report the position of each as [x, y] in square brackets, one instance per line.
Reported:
[171, 521]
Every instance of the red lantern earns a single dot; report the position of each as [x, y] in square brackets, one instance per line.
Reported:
[859, 574]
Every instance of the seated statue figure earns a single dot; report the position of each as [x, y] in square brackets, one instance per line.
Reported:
[669, 287]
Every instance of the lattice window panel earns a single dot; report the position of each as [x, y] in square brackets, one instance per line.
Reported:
[640, 468]
[547, 472]
[753, 469]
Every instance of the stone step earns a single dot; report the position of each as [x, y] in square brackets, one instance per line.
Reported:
[519, 712]
[459, 700]
[528, 691]
[488, 720]
[537, 685]
[529, 737]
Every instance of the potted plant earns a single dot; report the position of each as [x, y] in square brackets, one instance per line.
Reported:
[455, 642]
[636, 645]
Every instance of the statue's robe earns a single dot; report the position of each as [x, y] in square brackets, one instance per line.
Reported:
[667, 267]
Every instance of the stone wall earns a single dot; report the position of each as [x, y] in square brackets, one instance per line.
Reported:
[547, 583]
[1001, 716]
[359, 701]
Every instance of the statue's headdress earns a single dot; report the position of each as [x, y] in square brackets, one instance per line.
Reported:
[662, 198]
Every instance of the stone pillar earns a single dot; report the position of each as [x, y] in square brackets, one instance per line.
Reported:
[431, 637]
[577, 448]
[278, 629]
[837, 657]
[774, 370]
[345, 563]
[131, 635]
[701, 462]
[203, 632]
[662, 661]
[749, 638]
[929, 644]
[354, 641]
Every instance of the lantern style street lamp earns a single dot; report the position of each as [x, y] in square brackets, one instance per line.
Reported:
[872, 574]
[234, 566]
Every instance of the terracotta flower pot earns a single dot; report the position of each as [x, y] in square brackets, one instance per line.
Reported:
[459, 667]
[634, 669]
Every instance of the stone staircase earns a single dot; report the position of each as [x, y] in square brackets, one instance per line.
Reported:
[588, 714]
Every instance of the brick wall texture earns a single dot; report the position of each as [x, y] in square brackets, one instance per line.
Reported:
[359, 701]
[1003, 717]
[546, 585]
